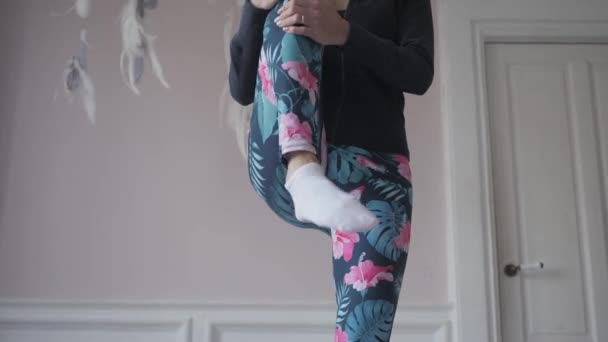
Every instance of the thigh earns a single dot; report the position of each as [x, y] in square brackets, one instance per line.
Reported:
[382, 182]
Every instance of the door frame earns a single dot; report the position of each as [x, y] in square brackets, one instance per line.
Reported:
[472, 256]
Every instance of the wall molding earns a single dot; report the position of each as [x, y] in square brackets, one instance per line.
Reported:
[180, 321]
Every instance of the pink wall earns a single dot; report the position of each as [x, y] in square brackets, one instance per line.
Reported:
[154, 202]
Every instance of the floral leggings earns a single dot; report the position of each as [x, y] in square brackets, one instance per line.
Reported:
[368, 267]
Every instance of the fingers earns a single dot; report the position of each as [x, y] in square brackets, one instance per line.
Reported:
[292, 12]
[291, 20]
[295, 13]
[301, 30]
[299, 3]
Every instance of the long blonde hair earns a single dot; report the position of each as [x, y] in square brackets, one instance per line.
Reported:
[231, 111]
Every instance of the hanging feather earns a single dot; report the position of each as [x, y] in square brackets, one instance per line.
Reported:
[82, 8]
[76, 79]
[71, 79]
[156, 66]
[137, 45]
[132, 44]
[87, 92]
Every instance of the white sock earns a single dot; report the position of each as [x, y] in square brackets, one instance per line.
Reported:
[318, 200]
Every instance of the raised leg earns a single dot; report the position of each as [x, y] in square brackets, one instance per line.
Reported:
[287, 105]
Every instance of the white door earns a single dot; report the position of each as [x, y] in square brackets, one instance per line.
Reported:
[548, 106]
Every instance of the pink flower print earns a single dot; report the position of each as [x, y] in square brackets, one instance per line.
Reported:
[343, 244]
[266, 79]
[341, 336]
[291, 130]
[356, 193]
[299, 72]
[366, 274]
[404, 167]
[403, 240]
[366, 162]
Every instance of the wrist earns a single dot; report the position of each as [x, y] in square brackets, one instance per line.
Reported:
[261, 5]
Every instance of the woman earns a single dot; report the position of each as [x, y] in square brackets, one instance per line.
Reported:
[327, 147]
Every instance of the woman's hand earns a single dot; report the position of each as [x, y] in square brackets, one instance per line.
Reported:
[317, 19]
[263, 4]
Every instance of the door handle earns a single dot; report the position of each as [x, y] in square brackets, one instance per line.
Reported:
[512, 270]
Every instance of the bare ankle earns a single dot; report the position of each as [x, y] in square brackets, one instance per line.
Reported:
[298, 158]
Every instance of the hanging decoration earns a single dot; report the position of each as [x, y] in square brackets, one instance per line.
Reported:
[82, 8]
[77, 80]
[137, 44]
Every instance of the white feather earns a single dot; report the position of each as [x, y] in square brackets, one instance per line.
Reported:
[87, 92]
[157, 68]
[132, 43]
[76, 72]
[83, 38]
[83, 8]
[137, 44]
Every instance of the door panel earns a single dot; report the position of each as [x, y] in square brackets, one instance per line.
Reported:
[600, 87]
[548, 189]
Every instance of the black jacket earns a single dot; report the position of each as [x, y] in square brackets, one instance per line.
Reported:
[389, 51]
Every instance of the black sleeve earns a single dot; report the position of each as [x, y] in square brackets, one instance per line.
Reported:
[245, 48]
[407, 65]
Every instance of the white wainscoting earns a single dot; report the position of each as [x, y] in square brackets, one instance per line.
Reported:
[72, 321]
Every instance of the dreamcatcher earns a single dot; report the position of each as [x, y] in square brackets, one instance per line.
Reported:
[137, 46]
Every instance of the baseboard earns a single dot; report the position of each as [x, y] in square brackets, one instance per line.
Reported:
[26, 320]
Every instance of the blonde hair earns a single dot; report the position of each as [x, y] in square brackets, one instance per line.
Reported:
[231, 111]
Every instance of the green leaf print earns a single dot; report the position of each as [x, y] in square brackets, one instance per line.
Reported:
[280, 195]
[282, 107]
[397, 283]
[389, 190]
[298, 49]
[370, 320]
[308, 110]
[281, 199]
[342, 302]
[410, 195]
[344, 166]
[267, 111]
[392, 216]
[255, 169]
[267, 117]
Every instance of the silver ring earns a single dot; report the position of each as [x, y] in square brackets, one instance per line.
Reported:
[302, 20]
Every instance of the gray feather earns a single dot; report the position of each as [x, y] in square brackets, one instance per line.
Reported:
[139, 67]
